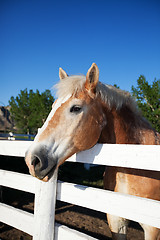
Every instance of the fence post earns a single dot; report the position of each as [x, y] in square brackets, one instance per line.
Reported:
[44, 211]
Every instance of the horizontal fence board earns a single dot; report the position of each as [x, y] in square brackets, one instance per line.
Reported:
[14, 148]
[17, 218]
[121, 155]
[134, 208]
[70, 234]
[18, 181]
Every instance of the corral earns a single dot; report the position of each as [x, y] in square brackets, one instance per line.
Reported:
[41, 224]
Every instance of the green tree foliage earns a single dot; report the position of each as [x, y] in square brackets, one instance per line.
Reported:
[148, 99]
[29, 110]
[115, 85]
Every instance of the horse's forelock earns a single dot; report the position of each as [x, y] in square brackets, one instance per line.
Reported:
[70, 85]
[110, 95]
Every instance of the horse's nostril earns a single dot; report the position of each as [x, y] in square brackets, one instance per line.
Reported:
[36, 162]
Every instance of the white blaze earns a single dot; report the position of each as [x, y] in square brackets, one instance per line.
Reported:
[57, 105]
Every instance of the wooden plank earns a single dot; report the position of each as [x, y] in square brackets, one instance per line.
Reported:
[14, 148]
[122, 155]
[16, 218]
[44, 212]
[61, 231]
[134, 208]
[18, 181]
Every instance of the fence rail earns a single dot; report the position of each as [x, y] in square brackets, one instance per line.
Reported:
[119, 155]
[140, 209]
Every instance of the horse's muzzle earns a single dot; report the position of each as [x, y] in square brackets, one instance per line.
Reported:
[40, 163]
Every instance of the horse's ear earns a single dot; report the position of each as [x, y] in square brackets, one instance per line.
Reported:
[62, 74]
[92, 78]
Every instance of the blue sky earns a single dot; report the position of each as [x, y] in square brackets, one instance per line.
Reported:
[37, 37]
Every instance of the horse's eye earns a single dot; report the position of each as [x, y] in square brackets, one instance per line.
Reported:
[75, 109]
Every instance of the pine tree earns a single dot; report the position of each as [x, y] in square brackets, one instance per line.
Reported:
[148, 100]
[29, 110]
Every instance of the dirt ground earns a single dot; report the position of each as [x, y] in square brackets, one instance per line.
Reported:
[87, 221]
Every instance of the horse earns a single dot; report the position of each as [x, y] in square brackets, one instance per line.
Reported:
[87, 112]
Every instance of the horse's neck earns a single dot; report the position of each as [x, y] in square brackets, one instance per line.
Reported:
[127, 127]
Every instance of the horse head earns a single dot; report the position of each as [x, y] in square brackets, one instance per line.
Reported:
[74, 124]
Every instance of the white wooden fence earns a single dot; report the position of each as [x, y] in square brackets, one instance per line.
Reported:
[41, 225]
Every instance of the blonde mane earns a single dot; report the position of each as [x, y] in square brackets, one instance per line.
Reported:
[110, 95]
